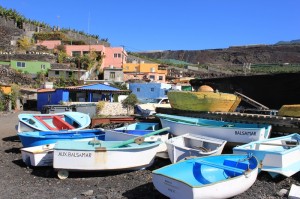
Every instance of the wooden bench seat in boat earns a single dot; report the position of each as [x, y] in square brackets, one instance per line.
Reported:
[61, 124]
[221, 166]
[40, 119]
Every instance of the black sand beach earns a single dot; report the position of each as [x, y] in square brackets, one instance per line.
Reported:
[20, 181]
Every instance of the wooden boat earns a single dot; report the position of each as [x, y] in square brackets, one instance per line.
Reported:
[234, 133]
[280, 155]
[292, 110]
[38, 155]
[191, 145]
[221, 176]
[139, 128]
[37, 138]
[148, 109]
[203, 100]
[53, 122]
[104, 155]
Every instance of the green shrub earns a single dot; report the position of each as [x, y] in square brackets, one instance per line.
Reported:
[130, 102]
[100, 106]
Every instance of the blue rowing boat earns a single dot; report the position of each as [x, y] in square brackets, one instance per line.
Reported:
[53, 122]
[221, 176]
[37, 138]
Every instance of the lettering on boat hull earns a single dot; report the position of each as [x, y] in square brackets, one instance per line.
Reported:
[75, 154]
[248, 133]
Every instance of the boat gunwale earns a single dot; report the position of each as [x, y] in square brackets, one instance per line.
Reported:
[212, 126]
[242, 148]
[219, 145]
[198, 138]
[150, 144]
[28, 116]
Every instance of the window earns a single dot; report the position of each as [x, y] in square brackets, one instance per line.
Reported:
[152, 77]
[152, 89]
[138, 89]
[21, 64]
[70, 74]
[43, 66]
[85, 52]
[56, 72]
[76, 53]
[160, 78]
[112, 75]
[117, 55]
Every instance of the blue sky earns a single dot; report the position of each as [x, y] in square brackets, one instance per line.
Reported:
[144, 25]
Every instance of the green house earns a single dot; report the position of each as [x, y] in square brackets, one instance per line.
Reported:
[32, 67]
[6, 63]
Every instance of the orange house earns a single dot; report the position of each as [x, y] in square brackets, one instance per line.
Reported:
[6, 89]
[152, 71]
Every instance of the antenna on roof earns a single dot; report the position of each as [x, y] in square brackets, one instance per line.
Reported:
[89, 29]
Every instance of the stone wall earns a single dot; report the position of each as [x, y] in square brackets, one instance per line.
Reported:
[4, 56]
[7, 22]
[9, 76]
[114, 108]
[8, 37]
[109, 109]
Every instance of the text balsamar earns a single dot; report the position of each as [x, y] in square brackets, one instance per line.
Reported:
[248, 133]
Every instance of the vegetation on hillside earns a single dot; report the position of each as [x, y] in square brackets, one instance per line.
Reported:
[275, 68]
[20, 19]
[12, 97]
[25, 43]
[49, 36]
[119, 85]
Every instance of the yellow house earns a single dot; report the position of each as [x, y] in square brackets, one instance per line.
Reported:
[152, 71]
[6, 89]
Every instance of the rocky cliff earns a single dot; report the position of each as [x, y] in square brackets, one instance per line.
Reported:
[255, 54]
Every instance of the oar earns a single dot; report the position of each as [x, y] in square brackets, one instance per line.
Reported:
[140, 137]
[275, 144]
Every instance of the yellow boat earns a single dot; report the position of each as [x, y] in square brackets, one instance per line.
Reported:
[205, 99]
[292, 110]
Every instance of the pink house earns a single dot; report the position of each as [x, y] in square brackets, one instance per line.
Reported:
[50, 44]
[113, 56]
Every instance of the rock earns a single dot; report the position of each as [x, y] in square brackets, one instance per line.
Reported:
[102, 190]
[88, 193]
[101, 197]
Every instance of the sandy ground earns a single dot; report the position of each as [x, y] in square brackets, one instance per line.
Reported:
[20, 181]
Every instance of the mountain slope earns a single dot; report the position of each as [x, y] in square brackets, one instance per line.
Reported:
[256, 54]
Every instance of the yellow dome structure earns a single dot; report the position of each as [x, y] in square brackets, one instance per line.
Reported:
[205, 88]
